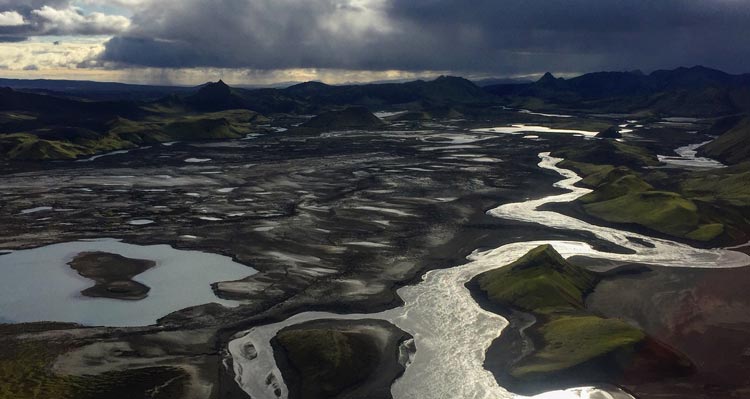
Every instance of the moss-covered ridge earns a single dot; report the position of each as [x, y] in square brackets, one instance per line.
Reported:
[540, 282]
[328, 361]
[621, 196]
[609, 152]
[567, 338]
[344, 359]
[710, 206]
[733, 145]
[63, 142]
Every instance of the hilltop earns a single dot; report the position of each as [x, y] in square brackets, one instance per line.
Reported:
[349, 118]
[696, 91]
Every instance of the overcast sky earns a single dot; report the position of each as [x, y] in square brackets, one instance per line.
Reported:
[266, 41]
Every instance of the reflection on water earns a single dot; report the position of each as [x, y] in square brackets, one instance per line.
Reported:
[452, 333]
[688, 158]
[38, 284]
[521, 128]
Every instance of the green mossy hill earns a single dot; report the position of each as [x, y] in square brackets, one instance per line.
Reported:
[616, 183]
[572, 340]
[23, 146]
[328, 361]
[567, 337]
[25, 373]
[56, 143]
[592, 174]
[662, 211]
[727, 185]
[609, 152]
[540, 282]
[710, 206]
[733, 146]
[349, 118]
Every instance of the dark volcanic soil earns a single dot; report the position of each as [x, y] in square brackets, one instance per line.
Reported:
[702, 313]
[332, 222]
[113, 275]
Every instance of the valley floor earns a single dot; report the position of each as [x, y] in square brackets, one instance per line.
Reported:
[327, 222]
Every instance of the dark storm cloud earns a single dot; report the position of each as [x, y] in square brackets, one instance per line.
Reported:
[511, 36]
[26, 6]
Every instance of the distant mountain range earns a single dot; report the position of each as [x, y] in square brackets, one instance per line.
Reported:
[53, 109]
[314, 97]
[102, 91]
[696, 91]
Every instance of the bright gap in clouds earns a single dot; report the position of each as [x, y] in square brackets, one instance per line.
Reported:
[11, 18]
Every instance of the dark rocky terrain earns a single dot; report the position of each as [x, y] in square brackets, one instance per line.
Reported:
[336, 209]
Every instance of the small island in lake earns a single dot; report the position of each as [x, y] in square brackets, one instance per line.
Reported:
[113, 275]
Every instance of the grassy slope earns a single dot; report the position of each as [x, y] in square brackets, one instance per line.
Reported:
[608, 152]
[699, 206]
[540, 282]
[661, 211]
[733, 146]
[544, 284]
[25, 373]
[328, 361]
[123, 133]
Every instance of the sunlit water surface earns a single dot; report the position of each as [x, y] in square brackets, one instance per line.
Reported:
[452, 333]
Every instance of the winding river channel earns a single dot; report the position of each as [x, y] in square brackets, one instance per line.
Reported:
[451, 331]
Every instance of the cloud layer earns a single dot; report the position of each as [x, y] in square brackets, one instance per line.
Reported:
[481, 37]
[30, 18]
[508, 36]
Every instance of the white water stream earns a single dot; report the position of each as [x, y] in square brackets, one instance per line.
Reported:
[451, 332]
[688, 158]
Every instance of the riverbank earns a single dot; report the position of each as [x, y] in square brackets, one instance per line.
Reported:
[555, 341]
[459, 321]
[707, 207]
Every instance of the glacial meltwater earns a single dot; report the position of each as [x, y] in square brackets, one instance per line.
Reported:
[451, 331]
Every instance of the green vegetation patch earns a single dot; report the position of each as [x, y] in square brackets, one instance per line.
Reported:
[572, 340]
[706, 232]
[24, 146]
[730, 185]
[592, 174]
[733, 146]
[702, 208]
[609, 152]
[70, 142]
[328, 361]
[540, 282]
[553, 290]
[25, 373]
[618, 182]
[661, 211]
